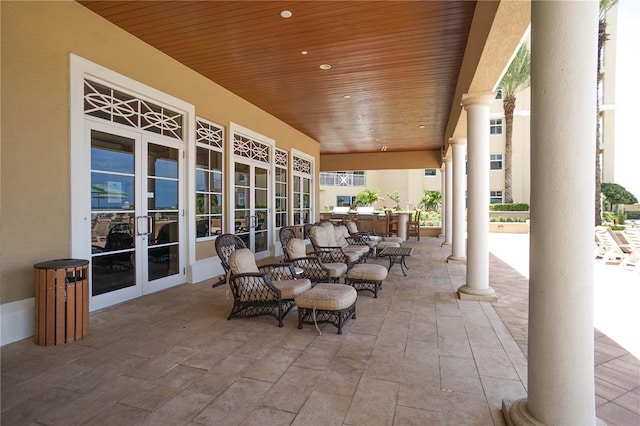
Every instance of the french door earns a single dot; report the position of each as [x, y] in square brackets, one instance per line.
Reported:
[137, 233]
[251, 211]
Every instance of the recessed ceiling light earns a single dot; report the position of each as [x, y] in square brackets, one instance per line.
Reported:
[304, 52]
[422, 126]
[286, 14]
[347, 96]
[325, 67]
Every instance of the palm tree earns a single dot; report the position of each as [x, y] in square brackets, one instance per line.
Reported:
[516, 79]
[367, 197]
[605, 5]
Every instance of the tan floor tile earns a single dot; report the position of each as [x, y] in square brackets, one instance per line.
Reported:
[234, 404]
[293, 388]
[494, 363]
[179, 410]
[223, 375]
[323, 409]
[272, 366]
[417, 417]
[466, 409]
[614, 414]
[268, 416]
[459, 375]
[118, 414]
[373, 403]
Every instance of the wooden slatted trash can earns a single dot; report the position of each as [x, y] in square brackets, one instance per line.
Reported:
[62, 301]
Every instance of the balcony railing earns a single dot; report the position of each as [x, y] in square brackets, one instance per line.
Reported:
[342, 179]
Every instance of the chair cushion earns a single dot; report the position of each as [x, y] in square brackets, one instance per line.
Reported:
[242, 261]
[296, 248]
[368, 272]
[340, 234]
[327, 297]
[322, 236]
[336, 270]
[352, 227]
[291, 288]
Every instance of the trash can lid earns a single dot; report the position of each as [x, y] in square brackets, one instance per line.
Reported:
[61, 263]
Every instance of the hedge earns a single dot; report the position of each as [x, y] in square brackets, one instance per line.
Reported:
[633, 214]
[513, 207]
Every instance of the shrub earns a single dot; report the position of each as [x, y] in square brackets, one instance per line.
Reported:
[633, 215]
[511, 207]
[608, 217]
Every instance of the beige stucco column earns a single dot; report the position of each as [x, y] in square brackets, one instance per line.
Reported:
[458, 231]
[563, 129]
[443, 191]
[448, 203]
[478, 156]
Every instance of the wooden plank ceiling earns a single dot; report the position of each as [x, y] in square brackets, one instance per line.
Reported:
[394, 64]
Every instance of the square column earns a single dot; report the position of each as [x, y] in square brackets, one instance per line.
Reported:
[477, 285]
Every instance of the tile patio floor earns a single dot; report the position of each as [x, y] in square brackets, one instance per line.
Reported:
[416, 355]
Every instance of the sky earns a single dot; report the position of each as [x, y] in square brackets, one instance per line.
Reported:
[627, 155]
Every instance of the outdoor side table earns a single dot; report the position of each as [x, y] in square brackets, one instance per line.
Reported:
[397, 255]
[62, 301]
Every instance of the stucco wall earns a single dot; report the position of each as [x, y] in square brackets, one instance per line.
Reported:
[37, 38]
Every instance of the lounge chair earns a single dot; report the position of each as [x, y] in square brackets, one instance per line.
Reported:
[632, 238]
[608, 250]
[323, 239]
[259, 290]
[313, 268]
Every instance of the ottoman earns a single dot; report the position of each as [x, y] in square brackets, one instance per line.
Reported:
[327, 303]
[366, 276]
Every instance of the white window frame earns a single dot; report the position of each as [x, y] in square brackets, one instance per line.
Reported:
[428, 174]
[494, 159]
[496, 126]
[498, 194]
[221, 150]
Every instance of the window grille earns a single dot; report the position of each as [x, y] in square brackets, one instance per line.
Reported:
[115, 106]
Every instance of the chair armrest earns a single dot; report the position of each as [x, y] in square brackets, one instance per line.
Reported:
[253, 286]
[278, 271]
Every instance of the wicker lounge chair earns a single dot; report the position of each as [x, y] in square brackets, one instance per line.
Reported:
[258, 290]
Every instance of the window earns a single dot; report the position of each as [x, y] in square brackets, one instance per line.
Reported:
[429, 172]
[282, 211]
[495, 197]
[345, 200]
[495, 126]
[499, 94]
[496, 161]
[302, 173]
[209, 181]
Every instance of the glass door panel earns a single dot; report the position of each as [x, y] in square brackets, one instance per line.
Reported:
[163, 203]
[135, 211]
[261, 210]
[112, 212]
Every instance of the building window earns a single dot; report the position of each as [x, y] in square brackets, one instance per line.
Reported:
[496, 161]
[345, 200]
[429, 172]
[302, 178]
[282, 166]
[495, 126]
[495, 197]
[209, 179]
[499, 94]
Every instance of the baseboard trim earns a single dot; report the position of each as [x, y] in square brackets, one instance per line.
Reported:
[18, 320]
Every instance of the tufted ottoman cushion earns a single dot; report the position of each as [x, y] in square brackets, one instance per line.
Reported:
[327, 303]
[367, 277]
